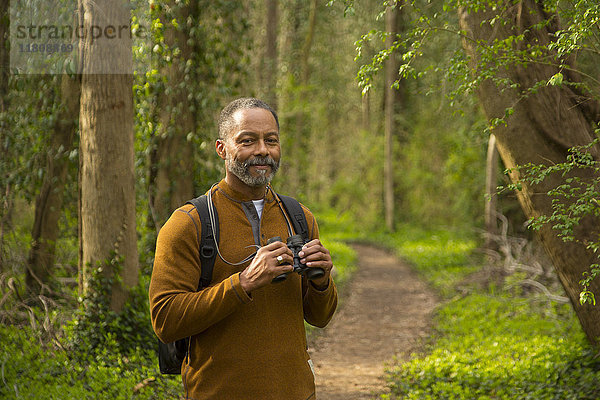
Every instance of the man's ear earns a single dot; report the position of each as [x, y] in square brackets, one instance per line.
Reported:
[220, 147]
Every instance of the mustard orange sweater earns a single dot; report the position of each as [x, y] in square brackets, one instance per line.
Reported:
[243, 346]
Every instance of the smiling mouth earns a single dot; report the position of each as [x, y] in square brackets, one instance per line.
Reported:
[261, 165]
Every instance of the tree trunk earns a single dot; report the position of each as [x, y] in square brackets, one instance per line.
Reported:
[269, 70]
[49, 201]
[174, 183]
[4, 106]
[293, 101]
[303, 132]
[541, 129]
[308, 42]
[108, 226]
[491, 184]
[4, 52]
[391, 74]
[365, 112]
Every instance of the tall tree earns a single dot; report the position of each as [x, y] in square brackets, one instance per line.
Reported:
[543, 125]
[298, 24]
[173, 156]
[4, 105]
[50, 198]
[303, 133]
[269, 69]
[107, 209]
[391, 73]
[201, 59]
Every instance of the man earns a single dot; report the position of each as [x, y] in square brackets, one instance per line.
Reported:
[247, 333]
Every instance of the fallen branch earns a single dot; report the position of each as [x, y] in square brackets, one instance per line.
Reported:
[143, 384]
[544, 289]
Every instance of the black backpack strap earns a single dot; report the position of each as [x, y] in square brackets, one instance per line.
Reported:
[208, 242]
[296, 214]
[172, 355]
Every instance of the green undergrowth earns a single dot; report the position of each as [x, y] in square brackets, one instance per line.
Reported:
[335, 230]
[97, 354]
[489, 344]
[31, 370]
[442, 257]
[345, 260]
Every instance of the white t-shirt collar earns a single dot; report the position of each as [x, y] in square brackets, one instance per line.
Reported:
[259, 205]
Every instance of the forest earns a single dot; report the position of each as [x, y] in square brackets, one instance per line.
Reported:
[460, 135]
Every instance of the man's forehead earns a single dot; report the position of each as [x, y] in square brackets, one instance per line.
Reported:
[259, 115]
[254, 117]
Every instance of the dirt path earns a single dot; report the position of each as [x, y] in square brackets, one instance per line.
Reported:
[386, 313]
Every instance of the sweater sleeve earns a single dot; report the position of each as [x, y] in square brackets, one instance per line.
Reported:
[319, 305]
[177, 309]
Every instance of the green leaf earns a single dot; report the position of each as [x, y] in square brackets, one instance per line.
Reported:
[556, 80]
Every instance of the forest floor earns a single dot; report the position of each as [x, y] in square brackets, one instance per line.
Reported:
[383, 318]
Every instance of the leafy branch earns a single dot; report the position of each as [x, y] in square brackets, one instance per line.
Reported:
[574, 199]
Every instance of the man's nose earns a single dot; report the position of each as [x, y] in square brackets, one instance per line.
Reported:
[261, 148]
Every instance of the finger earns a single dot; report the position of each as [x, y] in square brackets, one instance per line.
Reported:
[283, 259]
[317, 263]
[314, 253]
[314, 242]
[316, 260]
[305, 252]
[284, 268]
[283, 251]
[320, 263]
[274, 239]
[274, 246]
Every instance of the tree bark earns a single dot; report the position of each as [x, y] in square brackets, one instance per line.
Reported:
[366, 112]
[49, 201]
[391, 74]
[541, 129]
[303, 132]
[108, 226]
[269, 69]
[491, 184]
[5, 203]
[174, 183]
[4, 52]
[293, 101]
[308, 42]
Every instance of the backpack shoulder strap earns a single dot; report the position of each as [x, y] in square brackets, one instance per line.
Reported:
[208, 242]
[296, 214]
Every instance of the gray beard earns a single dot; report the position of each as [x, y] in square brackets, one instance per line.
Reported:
[242, 170]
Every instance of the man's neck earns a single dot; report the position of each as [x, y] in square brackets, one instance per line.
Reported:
[251, 192]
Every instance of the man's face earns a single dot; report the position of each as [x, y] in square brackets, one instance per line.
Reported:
[252, 150]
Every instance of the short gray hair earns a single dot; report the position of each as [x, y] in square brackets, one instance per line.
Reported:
[226, 116]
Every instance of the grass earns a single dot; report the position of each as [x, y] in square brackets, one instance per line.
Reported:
[442, 257]
[31, 370]
[489, 344]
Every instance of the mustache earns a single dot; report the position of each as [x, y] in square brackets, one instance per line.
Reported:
[267, 160]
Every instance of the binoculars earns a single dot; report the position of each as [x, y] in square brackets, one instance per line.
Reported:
[295, 243]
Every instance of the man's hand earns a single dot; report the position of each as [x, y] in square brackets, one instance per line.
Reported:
[265, 266]
[314, 254]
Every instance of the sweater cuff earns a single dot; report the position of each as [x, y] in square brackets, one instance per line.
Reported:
[238, 289]
[320, 291]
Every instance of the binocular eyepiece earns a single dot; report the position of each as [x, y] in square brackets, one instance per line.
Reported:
[295, 243]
